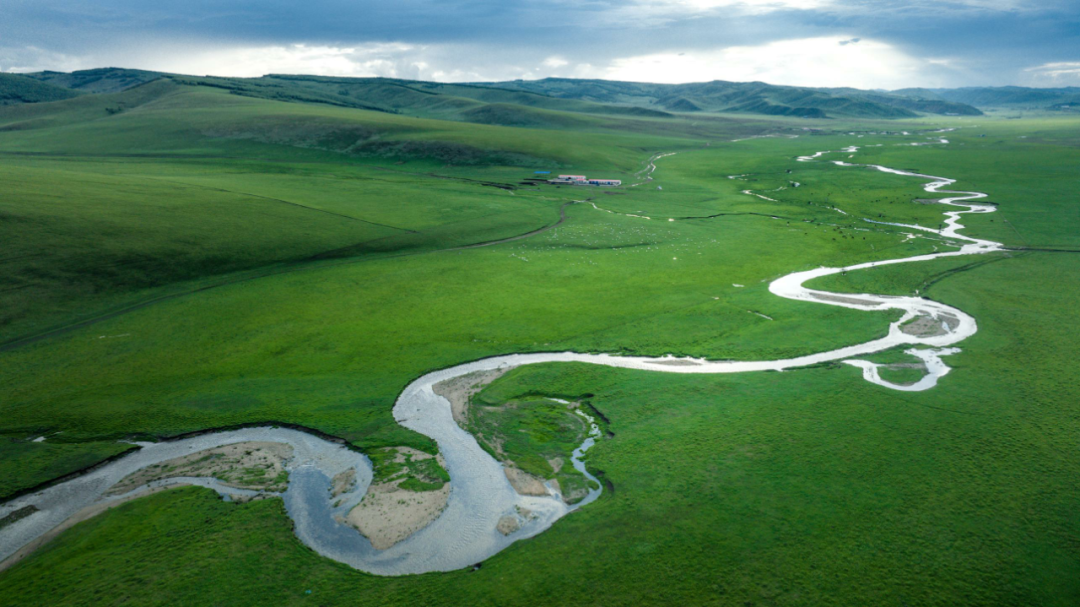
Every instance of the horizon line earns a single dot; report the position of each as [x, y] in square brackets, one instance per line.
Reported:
[490, 82]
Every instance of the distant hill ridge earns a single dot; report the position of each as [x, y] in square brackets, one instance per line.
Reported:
[751, 97]
[17, 89]
[1002, 96]
[524, 102]
[98, 80]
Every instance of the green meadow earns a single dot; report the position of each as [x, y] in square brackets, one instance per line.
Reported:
[180, 258]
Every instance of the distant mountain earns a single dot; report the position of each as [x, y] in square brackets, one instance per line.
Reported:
[100, 80]
[463, 102]
[16, 89]
[917, 100]
[1002, 96]
[190, 115]
[409, 96]
[916, 93]
[467, 101]
[749, 97]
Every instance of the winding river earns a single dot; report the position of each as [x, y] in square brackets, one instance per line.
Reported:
[465, 533]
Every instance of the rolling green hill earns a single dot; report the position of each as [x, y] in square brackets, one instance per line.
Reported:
[750, 97]
[1013, 96]
[927, 104]
[435, 98]
[459, 101]
[414, 98]
[17, 89]
[199, 115]
[452, 101]
[1002, 96]
[99, 80]
[192, 120]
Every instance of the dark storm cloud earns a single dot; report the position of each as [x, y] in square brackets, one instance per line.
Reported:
[276, 20]
[992, 39]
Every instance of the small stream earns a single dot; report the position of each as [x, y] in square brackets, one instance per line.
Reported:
[465, 533]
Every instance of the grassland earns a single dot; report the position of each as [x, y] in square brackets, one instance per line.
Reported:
[418, 474]
[809, 487]
[534, 433]
[258, 261]
[357, 238]
[16, 89]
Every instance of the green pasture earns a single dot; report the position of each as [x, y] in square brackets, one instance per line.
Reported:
[800, 488]
[536, 434]
[197, 259]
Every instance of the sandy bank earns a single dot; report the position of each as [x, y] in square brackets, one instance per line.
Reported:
[512, 522]
[523, 482]
[677, 362]
[843, 299]
[388, 513]
[924, 326]
[343, 482]
[459, 390]
[259, 466]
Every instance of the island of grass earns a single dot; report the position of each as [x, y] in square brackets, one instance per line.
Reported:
[254, 465]
[531, 433]
[17, 515]
[899, 367]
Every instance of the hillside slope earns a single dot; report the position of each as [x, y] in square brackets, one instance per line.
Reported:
[1012, 97]
[193, 116]
[16, 89]
[462, 101]
[99, 80]
[750, 97]
[595, 96]
[150, 190]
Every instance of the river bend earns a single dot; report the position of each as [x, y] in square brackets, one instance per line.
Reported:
[465, 533]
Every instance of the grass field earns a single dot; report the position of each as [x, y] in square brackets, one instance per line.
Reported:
[537, 434]
[201, 260]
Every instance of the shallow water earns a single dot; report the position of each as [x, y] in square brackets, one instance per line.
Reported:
[465, 533]
[59, 502]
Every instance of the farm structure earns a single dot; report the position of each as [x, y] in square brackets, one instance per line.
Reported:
[583, 180]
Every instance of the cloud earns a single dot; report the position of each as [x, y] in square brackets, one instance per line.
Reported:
[751, 5]
[395, 60]
[1062, 73]
[820, 61]
[379, 59]
[33, 59]
[803, 62]
[755, 7]
[1004, 5]
[439, 62]
[925, 42]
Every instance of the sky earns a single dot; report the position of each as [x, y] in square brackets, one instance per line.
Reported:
[886, 44]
